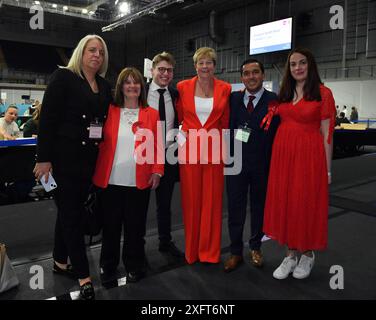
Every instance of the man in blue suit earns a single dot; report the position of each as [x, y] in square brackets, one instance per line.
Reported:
[248, 108]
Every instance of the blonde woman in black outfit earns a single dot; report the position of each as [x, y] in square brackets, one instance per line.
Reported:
[31, 126]
[74, 108]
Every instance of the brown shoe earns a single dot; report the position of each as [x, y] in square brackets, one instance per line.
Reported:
[256, 258]
[232, 263]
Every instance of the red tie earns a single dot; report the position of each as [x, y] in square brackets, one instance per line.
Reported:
[250, 106]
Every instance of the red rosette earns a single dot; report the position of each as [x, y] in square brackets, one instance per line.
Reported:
[135, 126]
[272, 110]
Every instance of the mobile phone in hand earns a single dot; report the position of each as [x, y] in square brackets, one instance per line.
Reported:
[50, 184]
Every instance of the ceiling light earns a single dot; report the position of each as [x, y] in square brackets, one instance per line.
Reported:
[54, 5]
[37, 2]
[65, 8]
[84, 11]
[124, 8]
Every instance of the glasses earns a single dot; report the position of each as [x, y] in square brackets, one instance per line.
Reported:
[163, 70]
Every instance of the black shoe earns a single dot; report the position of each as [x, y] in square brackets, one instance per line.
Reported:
[108, 274]
[135, 276]
[87, 291]
[169, 247]
[68, 272]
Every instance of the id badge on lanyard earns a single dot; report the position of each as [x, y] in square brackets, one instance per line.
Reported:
[243, 133]
[95, 129]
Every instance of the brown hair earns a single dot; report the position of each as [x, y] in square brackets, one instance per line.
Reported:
[137, 77]
[164, 56]
[311, 89]
[11, 106]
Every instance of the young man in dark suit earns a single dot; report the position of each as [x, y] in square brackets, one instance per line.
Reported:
[162, 97]
[248, 108]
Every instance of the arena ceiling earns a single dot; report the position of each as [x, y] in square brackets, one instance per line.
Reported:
[109, 11]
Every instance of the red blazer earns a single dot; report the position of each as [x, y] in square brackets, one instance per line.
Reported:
[147, 119]
[218, 119]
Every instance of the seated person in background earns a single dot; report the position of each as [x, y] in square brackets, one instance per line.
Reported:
[341, 119]
[8, 127]
[31, 126]
[354, 115]
[30, 111]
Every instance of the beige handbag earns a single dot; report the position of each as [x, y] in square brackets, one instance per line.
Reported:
[8, 277]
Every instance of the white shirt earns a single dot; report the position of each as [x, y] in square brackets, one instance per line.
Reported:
[257, 98]
[123, 171]
[204, 107]
[153, 101]
[9, 128]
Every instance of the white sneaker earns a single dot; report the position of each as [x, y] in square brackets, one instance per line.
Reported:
[304, 267]
[285, 268]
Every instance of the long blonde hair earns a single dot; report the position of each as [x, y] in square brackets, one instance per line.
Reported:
[36, 112]
[75, 62]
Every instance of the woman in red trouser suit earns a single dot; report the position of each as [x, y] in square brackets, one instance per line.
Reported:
[203, 105]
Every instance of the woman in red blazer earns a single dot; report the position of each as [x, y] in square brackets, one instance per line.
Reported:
[130, 163]
[203, 110]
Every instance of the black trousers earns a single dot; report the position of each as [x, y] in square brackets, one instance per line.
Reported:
[124, 207]
[164, 194]
[237, 193]
[70, 195]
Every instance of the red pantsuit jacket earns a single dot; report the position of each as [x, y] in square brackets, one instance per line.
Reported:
[218, 119]
[147, 119]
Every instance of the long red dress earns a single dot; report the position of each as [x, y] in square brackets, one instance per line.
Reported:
[296, 209]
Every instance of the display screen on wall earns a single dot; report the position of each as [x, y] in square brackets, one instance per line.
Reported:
[270, 37]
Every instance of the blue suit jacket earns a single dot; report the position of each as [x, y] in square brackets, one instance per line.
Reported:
[256, 152]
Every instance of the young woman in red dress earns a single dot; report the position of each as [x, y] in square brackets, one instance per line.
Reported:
[296, 210]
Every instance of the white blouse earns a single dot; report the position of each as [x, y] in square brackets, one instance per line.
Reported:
[204, 107]
[123, 171]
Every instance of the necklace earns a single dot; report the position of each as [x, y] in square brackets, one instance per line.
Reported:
[129, 115]
[207, 95]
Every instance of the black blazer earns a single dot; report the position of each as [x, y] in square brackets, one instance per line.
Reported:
[69, 106]
[256, 152]
[30, 128]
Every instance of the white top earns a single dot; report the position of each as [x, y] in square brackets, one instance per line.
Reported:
[9, 128]
[257, 98]
[123, 171]
[153, 101]
[204, 107]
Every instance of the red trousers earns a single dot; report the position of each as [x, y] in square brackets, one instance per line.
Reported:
[201, 191]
